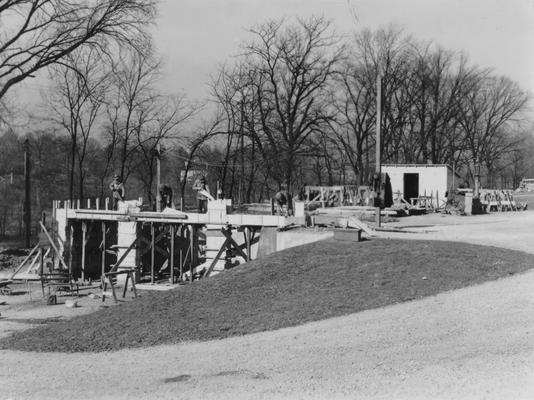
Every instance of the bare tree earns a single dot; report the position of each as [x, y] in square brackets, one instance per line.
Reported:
[81, 83]
[140, 117]
[290, 68]
[38, 33]
[487, 110]
[157, 125]
[132, 93]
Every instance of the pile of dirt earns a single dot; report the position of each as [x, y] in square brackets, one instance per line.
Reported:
[306, 283]
[11, 258]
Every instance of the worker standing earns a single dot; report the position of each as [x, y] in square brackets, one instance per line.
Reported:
[117, 191]
[284, 201]
[165, 195]
[203, 193]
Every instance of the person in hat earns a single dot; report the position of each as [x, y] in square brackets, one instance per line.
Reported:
[165, 195]
[117, 190]
[203, 191]
[284, 202]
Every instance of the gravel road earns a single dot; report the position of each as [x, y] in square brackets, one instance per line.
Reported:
[472, 343]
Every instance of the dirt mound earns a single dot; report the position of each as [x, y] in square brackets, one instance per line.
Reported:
[298, 285]
[14, 252]
[11, 258]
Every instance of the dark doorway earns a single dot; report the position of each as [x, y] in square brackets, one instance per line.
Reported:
[411, 186]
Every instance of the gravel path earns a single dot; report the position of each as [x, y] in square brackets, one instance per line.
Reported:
[473, 343]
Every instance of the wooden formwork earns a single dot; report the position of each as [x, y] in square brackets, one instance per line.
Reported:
[155, 244]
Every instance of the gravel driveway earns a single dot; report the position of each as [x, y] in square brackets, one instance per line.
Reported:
[472, 343]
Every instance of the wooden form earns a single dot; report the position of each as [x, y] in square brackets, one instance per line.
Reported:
[230, 244]
[166, 242]
[330, 195]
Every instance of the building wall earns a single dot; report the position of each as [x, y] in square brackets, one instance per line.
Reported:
[433, 179]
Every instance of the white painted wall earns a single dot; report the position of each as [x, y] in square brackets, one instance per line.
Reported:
[432, 179]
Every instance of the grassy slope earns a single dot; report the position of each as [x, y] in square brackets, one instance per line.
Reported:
[306, 283]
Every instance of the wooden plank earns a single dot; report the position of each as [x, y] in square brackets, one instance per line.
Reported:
[214, 262]
[191, 250]
[171, 258]
[356, 223]
[103, 252]
[233, 243]
[130, 247]
[152, 252]
[247, 241]
[84, 242]
[53, 245]
[23, 263]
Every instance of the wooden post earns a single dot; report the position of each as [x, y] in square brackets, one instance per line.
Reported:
[181, 277]
[152, 251]
[247, 233]
[71, 245]
[106, 201]
[103, 252]
[191, 250]
[78, 204]
[171, 258]
[97, 203]
[158, 178]
[378, 166]
[84, 235]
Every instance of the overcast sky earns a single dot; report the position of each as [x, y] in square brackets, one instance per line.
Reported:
[194, 36]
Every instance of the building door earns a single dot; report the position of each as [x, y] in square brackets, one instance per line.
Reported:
[411, 186]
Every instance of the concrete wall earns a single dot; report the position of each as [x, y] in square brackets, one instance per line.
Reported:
[432, 179]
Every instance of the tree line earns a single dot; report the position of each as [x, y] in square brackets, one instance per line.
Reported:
[296, 106]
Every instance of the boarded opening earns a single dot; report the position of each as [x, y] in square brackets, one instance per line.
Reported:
[411, 186]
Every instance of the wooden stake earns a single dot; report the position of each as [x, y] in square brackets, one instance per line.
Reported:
[158, 178]
[191, 249]
[71, 250]
[171, 258]
[103, 253]
[84, 242]
[247, 232]
[152, 252]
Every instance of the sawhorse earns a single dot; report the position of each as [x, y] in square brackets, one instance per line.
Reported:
[110, 276]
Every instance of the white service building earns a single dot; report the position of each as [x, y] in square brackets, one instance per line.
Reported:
[416, 180]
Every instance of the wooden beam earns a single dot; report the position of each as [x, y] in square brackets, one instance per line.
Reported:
[84, 242]
[23, 263]
[103, 253]
[171, 258]
[152, 251]
[191, 250]
[231, 241]
[121, 259]
[43, 228]
[247, 240]
[217, 257]
[71, 246]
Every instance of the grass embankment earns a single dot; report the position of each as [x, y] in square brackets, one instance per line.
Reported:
[307, 283]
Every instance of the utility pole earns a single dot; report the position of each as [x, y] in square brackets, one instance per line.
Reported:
[378, 168]
[27, 194]
[158, 177]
